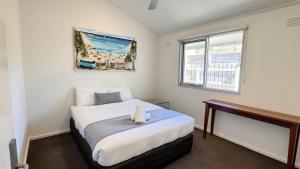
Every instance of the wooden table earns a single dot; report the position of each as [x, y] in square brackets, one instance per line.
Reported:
[284, 120]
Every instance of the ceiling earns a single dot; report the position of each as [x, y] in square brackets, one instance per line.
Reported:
[173, 15]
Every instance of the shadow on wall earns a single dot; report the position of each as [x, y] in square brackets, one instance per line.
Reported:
[3, 60]
[57, 124]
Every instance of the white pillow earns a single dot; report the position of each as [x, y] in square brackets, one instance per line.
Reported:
[125, 92]
[86, 96]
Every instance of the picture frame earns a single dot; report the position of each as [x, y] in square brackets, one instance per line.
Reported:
[103, 52]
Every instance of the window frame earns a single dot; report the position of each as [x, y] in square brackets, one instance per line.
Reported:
[182, 61]
[205, 38]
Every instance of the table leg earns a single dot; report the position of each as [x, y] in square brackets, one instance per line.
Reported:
[212, 124]
[293, 144]
[206, 120]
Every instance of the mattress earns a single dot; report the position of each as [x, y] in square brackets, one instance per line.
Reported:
[125, 145]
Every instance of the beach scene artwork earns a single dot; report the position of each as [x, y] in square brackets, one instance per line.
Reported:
[103, 52]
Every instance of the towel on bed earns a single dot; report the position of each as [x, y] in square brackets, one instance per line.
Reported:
[140, 109]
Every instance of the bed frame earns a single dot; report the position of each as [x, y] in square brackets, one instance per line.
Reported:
[154, 159]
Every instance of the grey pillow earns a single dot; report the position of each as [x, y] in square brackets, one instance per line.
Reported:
[106, 98]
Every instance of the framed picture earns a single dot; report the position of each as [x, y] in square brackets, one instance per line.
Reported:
[103, 52]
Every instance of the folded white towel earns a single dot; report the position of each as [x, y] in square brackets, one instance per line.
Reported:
[139, 108]
[148, 116]
[132, 116]
[140, 115]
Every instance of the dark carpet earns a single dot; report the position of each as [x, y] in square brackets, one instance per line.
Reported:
[61, 152]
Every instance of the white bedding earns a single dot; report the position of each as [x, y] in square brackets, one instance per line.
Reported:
[125, 145]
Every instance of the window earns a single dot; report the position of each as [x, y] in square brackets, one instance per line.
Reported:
[213, 61]
[194, 53]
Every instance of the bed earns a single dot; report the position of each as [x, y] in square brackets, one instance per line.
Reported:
[149, 146]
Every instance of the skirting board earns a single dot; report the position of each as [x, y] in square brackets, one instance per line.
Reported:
[26, 152]
[48, 134]
[258, 150]
[40, 137]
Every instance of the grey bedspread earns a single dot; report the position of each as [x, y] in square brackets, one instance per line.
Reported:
[97, 131]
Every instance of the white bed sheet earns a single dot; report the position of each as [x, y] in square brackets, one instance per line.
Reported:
[125, 145]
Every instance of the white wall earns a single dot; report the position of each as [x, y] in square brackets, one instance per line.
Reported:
[49, 63]
[271, 79]
[5, 109]
[15, 72]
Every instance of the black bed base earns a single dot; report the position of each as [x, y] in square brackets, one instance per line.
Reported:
[154, 159]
